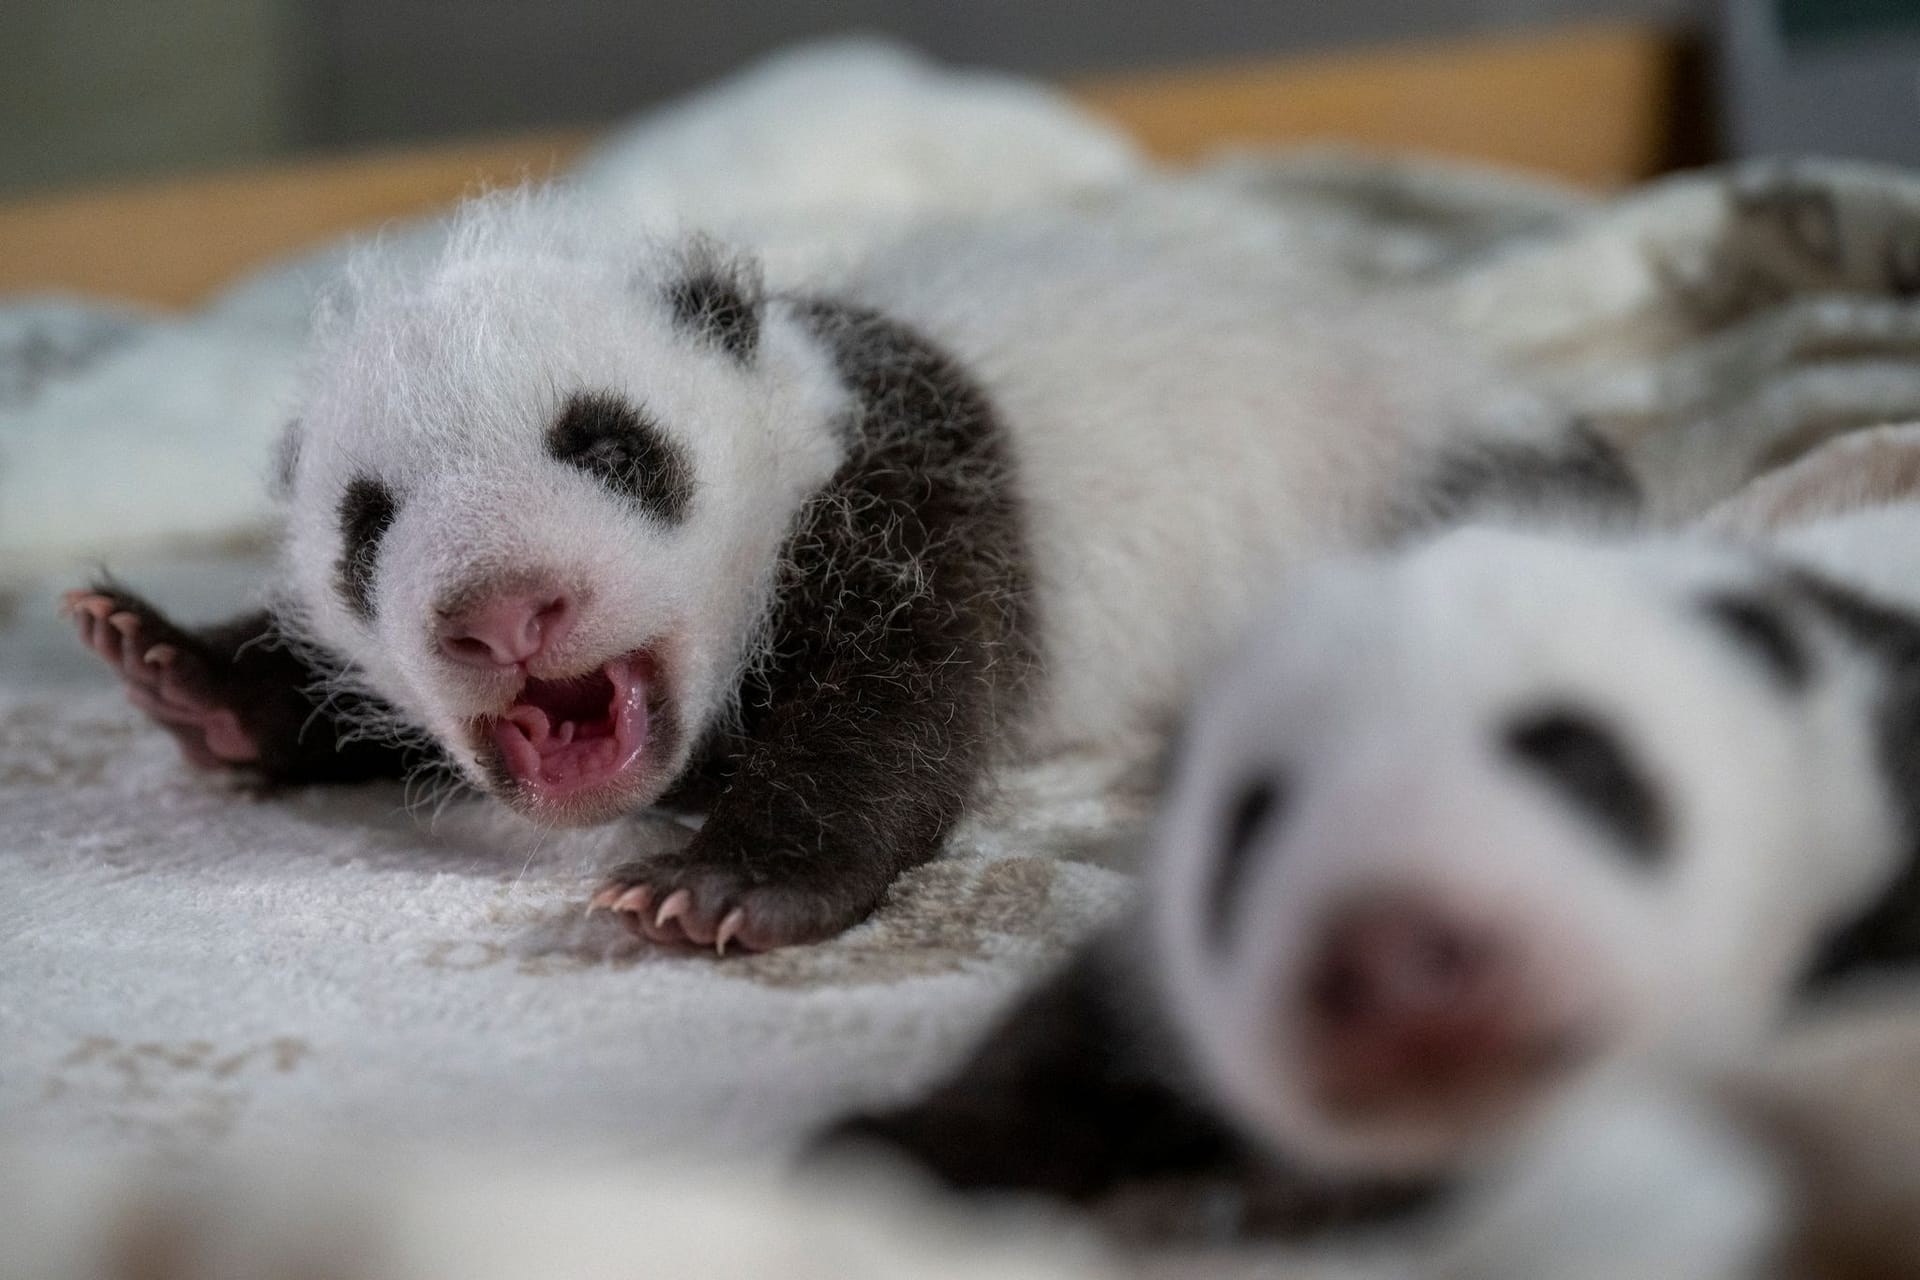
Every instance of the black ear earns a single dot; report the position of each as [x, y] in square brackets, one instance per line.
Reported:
[718, 297]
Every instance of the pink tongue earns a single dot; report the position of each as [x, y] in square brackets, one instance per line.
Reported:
[577, 753]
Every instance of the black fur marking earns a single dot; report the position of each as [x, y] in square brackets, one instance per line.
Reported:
[1585, 473]
[1081, 1093]
[1762, 631]
[718, 301]
[367, 509]
[614, 442]
[901, 643]
[1070, 1094]
[245, 667]
[1255, 807]
[1886, 933]
[1578, 755]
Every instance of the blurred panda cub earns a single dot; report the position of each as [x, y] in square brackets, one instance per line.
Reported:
[593, 523]
[1462, 830]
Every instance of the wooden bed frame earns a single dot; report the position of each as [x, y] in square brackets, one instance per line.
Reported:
[1597, 106]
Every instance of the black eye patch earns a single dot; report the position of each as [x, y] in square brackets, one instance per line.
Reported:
[1251, 811]
[367, 509]
[1580, 758]
[1761, 630]
[611, 440]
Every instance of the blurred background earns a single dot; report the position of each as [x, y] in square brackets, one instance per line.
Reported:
[99, 90]
[340, 114]
[96, 91]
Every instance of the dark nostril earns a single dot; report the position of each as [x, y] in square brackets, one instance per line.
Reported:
[1445, 957]
[1340, 991]
[468, 647]
[473, 650]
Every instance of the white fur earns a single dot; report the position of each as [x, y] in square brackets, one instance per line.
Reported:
[442, 388]
[1379, 688]
[1185, 430]
[1627, 1181]
[1189, 426]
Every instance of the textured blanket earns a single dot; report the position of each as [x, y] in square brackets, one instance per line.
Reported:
[188, 966]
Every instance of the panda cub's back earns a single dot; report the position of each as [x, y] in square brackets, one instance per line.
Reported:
[1187, 419]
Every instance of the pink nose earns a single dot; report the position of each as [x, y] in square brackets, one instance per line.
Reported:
[508, 628]
[1405, 998]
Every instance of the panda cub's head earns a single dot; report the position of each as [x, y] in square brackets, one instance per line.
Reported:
[536, 491]
[1460, 825]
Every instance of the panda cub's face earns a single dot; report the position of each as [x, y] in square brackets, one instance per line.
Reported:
[1459, 825]
[535, 497]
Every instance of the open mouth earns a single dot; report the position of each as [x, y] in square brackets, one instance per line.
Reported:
[562, 740]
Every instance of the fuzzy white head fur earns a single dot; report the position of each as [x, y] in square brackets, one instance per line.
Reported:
[441, 384]
[1379, 704]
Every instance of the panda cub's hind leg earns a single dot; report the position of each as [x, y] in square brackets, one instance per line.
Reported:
[231, 695]
[166, 675]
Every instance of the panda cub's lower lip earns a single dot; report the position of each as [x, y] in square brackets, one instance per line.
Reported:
[561, 737]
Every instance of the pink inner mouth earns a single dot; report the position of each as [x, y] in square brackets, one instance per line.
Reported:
[562, 737]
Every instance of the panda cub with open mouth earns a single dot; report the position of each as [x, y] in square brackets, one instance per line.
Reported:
[600, 524]
[1467, 827]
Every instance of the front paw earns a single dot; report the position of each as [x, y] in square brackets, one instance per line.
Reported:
[686, 902]
[164, 675]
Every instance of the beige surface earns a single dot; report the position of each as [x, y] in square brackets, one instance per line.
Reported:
[1594, 105]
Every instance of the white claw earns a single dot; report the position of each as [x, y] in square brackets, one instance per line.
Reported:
[673, 908]
[730, 927]
[605, 899]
